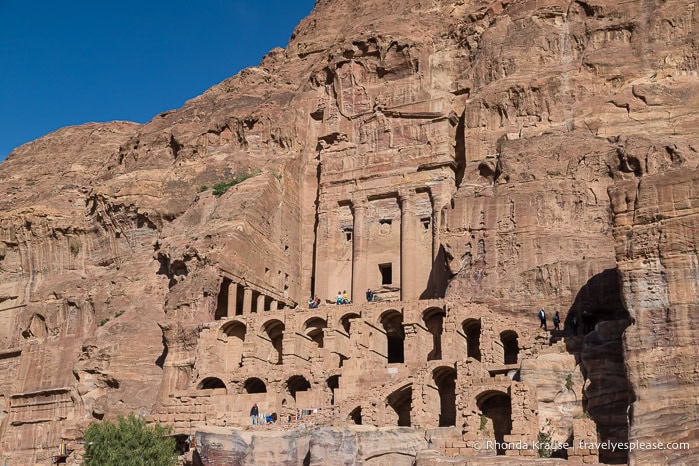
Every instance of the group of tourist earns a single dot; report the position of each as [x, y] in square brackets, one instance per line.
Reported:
[314, 302]
[259, 419]
[556, 320]
[343, 298]
[587, 318]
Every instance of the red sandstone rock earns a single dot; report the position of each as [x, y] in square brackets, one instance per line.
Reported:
[509, 155]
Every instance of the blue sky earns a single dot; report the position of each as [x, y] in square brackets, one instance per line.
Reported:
[71, 62]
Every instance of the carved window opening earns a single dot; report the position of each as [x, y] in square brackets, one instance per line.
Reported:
[510, 347]
[395, 337]
[472, 332]
[386, 271]
[333, 384]
[356, 415]
[348, 234]
[426, 222]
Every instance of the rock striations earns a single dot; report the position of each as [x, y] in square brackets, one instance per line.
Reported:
[468, 162]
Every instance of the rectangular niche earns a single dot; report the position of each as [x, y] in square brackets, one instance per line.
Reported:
[386, 271]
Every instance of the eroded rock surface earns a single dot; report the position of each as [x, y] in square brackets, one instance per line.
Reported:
[508, 155]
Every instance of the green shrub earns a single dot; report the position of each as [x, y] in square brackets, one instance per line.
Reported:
[118, 313]
[484, 422]
[221, 188]
[544, 438]
[103, 321]
[569, 382]
[203, 188]
[129, 442]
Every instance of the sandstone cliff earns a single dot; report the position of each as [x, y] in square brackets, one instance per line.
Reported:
[533, 153]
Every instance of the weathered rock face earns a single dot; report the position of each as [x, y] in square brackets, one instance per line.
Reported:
[507, 154]
[310, 446]
[656, 230]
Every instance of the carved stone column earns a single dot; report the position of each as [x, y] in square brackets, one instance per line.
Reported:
[360, 246]
[323, 243]
[247, 301]
[274, 305]
[260, 302]
[232, 299]
[408, 247]
[436, 220]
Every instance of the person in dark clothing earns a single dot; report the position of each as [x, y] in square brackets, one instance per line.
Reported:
[556, 321]
[254, 412]
[574, 325]
[542, 319]
[369, 295]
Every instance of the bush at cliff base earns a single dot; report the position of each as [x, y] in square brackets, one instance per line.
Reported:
[129, 442]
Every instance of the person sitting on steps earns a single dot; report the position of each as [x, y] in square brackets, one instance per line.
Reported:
[314, 303]
[345, 298]
[339, 299]
[369, 295]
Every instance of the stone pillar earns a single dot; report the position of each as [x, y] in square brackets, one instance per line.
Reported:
[274, 305]
[323, 243]
[436, 219]
[232, 299]
[408, 247]
[247, 301]
[413, 344]
[360, 246]
[260, 302]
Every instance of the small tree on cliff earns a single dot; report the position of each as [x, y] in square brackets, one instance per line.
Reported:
[129, 442]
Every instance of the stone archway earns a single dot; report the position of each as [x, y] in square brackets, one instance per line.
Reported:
[496, 407]
[297, 383]
[210, 383]
[472, 332]
[274, 330]
[233, 335]
[346, 321]
[254, 385]
[445, 381]
[313, 328]
[401, 402]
